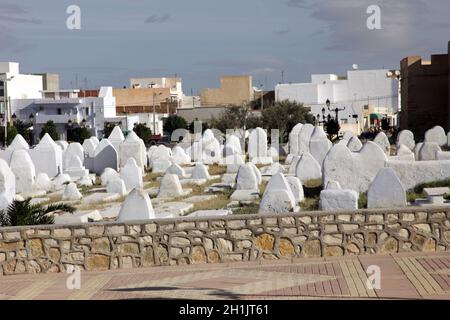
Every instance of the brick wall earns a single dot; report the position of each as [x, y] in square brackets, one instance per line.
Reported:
[102, 246]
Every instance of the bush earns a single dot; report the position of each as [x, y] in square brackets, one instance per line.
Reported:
[78, 134]
[284, 115]
[49, 128]
[173, 123]
[143, 132]
[108, 128]
[362, 201]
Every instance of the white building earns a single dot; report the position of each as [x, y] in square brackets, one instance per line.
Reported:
[67, 110]
[17, 86]
[358, 90]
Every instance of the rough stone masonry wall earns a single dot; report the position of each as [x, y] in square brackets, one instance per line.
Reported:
[102, 246]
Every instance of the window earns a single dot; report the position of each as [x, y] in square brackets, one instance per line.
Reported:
[59, 111]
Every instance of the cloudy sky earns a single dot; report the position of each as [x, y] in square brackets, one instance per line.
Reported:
[200, 40]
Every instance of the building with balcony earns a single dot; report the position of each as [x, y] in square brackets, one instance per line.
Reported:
[14, 85]
[68, 110]
[358, 91]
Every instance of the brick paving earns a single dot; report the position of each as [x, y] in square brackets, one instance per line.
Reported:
[403, 276]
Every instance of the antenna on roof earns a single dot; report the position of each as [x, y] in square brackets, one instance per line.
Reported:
[355, 66]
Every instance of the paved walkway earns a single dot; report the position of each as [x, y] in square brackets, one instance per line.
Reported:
[403, 276]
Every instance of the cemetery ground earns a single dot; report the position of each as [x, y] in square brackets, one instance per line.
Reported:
[414, 275]
[295, 225]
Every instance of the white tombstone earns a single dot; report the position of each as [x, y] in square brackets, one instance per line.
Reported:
[116, 137]
[74, 167]
[347, 135]
[278, 196]
[296, 188]
[74, 149]
[133, 147]
[232, 146]
[354, 144]
[308, 168]
[62, 144]
[428, 151]
[304, 137]
[257, 147]
[176, 169]
[89, 147]
[23, 168]
[47, 156]
[105, 156]
[18, 143]
[274, 169]
[382, 140]
[319, 144]
[294, 139]
[200, 172]
[246, 178]
[107, 175]
[353, 170]
[406, 137]
[233, 162]
[294, 163]
[43, 182]
[279, 181]
[257, 172]
[137, 206]
[211, 149]
[71, 192]
[86, 181]
[333, 185]
[436, 135]
[386, 191]
[416, 150]
[160, 159]
[179, 156]
[7, 185]
[116, 186]
[95, 140]
[338, 199]
[404, 153]
[60, 180]
[277, 201]
[170, 187]
[131, 174]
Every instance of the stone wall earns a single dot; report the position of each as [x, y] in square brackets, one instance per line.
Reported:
[102, 246]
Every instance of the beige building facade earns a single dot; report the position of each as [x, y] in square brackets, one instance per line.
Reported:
[233, 91]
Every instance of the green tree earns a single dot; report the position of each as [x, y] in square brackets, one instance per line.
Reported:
[284, 115]
[173, 123]
[108, 128]
[24, 213]
[332, 128]
[385, 124]
[143, 132]
[50, 128]
[78, 134]
[11, 133]
[24, 129]
[191, 126]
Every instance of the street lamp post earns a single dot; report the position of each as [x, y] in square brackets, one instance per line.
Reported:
[262, 97]
[6, 102]
[395, 74]
[154, 112]
[336, 110]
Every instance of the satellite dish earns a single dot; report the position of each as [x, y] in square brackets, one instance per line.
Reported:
[355, 66]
